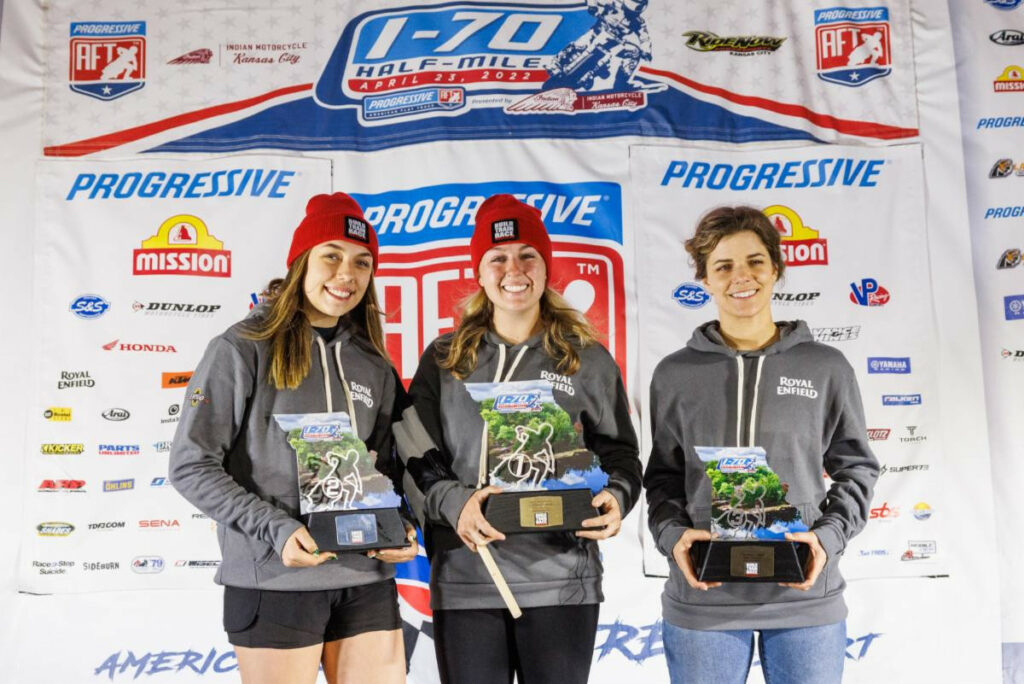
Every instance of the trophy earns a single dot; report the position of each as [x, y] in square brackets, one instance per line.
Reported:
[749, 520]
[533, 450]
[344, 501]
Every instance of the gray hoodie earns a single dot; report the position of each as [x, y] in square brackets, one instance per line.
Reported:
[799, 400]
[232, 461]
[541, 568]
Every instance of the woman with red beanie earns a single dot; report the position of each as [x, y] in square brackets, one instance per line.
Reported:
[515, 332]
[288, 608]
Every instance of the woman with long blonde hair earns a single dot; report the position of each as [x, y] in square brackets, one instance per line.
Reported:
[516, 332]
[315, 346]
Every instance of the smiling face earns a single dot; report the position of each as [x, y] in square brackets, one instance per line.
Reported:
[514, 276]
[337, 275]
[740, 277]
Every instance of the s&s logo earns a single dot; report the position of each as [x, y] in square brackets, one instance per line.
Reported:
[801, 245]
[852, 45]
[182, 245]
[108, 59]
[691, 294]
[89, 306]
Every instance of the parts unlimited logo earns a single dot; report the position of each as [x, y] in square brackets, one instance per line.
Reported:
[801, 245]
[182, 245]
[455, 57]
[108, 59]
[853, 46]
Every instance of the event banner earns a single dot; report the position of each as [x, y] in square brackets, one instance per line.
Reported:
[855, 245]
[139, 264]
[366, 75]
[991, 75]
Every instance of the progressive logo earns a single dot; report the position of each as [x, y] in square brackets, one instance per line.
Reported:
[107, 59]
[801, 245]
[182, 245]
[852, 45]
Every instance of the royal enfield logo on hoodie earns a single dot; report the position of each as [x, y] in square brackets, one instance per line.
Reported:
[796, 386]
[361, 393]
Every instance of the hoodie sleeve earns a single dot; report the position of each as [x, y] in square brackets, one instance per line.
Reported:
[613, 438]
[850, 464]
[421, 443]
[665, 479]
[213, 414]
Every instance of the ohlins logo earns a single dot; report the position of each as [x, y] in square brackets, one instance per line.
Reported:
[801, 245]
[183, 246]
[705, 41]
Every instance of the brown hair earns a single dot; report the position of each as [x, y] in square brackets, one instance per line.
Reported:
[287, 327]
[566, 331]
[723, 221]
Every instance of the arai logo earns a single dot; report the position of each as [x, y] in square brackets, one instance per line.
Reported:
[691, 294]
[89, 306]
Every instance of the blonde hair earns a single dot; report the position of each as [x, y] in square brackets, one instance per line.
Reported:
[287, 327]
[566, 332]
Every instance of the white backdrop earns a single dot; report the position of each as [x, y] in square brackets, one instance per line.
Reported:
[902, 629]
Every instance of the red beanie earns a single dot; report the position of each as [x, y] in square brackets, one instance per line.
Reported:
[333, 217]
[503, 218]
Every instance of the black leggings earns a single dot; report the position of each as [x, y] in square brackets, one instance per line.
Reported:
[548, 645]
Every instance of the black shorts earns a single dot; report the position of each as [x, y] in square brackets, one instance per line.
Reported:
[255, 618]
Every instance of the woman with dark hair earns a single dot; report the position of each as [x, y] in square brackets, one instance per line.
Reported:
[288, 607]
[516, 331]
[748, 381]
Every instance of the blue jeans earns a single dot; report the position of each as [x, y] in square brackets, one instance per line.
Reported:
[799, 655]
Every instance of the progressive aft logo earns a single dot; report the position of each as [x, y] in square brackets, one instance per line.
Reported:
[107, 59]
[182, 245]
[523, 58]
[853, 46]
[801, 245]
[427, 270]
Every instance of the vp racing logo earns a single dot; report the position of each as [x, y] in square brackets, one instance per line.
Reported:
[446, 59]
[107, 59]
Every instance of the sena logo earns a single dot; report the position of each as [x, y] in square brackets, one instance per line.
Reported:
[801, 245]
[884, 512]
[108, 59]
[852, 45]
[159, 524]
[182, 245]
[453, 58]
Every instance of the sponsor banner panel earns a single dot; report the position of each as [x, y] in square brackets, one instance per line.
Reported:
[855, 244]
[140, 264]
[372, 75]
[989, 40]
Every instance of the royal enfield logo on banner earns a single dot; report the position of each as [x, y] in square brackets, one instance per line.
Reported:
[419, 61]
[852, 45]
[425, 233]
[108, 59]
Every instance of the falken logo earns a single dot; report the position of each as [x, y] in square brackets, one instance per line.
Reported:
[108, 59]
[901, 400]
[801, 245]
[691, 294]
[451, 58]
[89, 306]
[182, 245]
[799, 387]
[868, 293]
[853, 46]
[889, 364]
[521, 402]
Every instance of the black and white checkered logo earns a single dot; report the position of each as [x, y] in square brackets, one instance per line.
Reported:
[506, 230]
[356, 229]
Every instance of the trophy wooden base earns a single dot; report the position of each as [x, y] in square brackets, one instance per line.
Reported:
[540, 511]
[749, 561]
[357, 530]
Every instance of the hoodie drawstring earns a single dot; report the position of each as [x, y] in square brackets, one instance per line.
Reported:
[739, 400]
[341, 376]
[323, 369]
